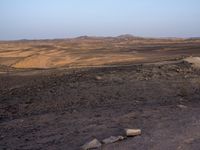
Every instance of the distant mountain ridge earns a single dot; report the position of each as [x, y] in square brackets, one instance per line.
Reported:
[120, 37]
[123, 36]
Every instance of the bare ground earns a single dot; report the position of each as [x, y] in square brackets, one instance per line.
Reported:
[63, 109]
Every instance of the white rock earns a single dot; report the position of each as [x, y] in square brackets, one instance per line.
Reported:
[98, 78]
[133, 132]
[112, 139]
[195, 61]
[91, 145]
[182, 106]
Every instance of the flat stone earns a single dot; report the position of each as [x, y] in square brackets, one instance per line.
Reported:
[91, 145]
[98, 78]
[133, 132]
[182, 106]
[195, 61]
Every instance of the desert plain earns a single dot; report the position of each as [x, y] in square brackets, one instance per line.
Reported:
[62, 93]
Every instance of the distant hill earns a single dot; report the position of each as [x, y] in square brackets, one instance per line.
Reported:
[194, 38]
[128, 36]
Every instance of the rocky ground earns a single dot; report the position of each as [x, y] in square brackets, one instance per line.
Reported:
[61, 94]
[64, 109]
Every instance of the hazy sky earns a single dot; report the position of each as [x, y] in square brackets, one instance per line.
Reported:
[33, 19]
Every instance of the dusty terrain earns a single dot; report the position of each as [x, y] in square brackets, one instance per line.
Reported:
[92, 51]
[60, 94]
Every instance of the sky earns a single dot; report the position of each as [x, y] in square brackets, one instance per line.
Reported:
[47, 19]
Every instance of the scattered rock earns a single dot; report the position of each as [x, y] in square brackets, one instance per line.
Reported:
[189, 141]
[98, 78]
[182, 106]
[178, 70]
[195, 61]
[133, 132]
[113, 139]
[91, 145]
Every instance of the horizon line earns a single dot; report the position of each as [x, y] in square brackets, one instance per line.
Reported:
[96, 36]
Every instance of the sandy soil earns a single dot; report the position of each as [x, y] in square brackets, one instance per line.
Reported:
[64, 108]
[87, 51]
